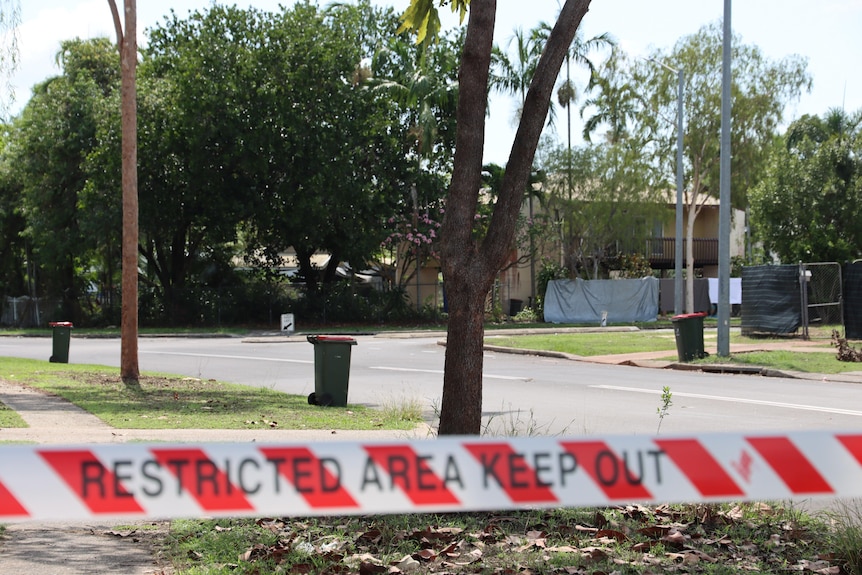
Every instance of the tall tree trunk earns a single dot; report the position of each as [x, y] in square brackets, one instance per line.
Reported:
[689, 261]
[469, 268]
[128, 45]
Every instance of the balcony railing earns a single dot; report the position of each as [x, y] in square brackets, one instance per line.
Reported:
[661, 252]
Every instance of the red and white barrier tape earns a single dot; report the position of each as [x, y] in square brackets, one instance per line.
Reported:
[446, 474]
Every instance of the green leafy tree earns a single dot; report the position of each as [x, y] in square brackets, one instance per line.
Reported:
[198, 78]
[330, 153]
[512, 73]
[610, 206]
[422, 81]
[51, 143]
[644, 102]
[614, 101]
[13, 248]
[808, 206]
[471, 263]
[11, 220]
[10, 19]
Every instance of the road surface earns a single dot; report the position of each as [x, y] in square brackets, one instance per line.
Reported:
[522, 393]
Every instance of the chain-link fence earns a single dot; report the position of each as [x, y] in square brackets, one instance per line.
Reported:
[26, 311]
[821, 297]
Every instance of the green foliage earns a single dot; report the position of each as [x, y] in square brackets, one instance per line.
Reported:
[46, 155]
[13, 247]
[605, 199]
[257, 131]
[347, 170]
[809, 205]
[761, 89]
[633, 265]
[548, 271]
[526, 315]
[847, 535]
[664, 409]
[421, 18]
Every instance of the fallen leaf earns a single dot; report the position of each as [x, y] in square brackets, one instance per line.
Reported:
[611, 534]
[593, 553]
[820, 567]
[674, 539]
[644, 546]
[425, 555]
[406, 564]
[370, 536]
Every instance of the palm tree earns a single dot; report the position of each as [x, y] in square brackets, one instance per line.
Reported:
[579, 53]
[567, 94]
[513, 75]
[427, 91]
[615, 104]
[425, 85]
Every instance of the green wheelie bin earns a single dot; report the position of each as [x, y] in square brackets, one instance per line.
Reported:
[61, 334]
[688, 332]
[331, 369]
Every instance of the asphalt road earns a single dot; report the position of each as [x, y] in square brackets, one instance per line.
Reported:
[548, 395]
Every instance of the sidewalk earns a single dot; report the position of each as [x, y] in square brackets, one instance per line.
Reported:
[95, 547]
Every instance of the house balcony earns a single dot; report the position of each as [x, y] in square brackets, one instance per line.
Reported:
[661, 252]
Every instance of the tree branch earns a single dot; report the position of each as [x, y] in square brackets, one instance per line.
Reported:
[118, 26]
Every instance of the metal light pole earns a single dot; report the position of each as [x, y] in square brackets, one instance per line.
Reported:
[723, 342]
[678, 292]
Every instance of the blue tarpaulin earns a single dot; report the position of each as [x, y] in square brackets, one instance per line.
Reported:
[583, 301]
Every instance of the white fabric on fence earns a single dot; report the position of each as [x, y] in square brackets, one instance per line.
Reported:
[583, 301]
[735, 290]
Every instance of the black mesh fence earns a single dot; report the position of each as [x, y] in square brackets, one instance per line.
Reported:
[770, 299]
[853, 300]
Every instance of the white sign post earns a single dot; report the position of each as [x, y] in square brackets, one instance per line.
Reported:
[287, 324]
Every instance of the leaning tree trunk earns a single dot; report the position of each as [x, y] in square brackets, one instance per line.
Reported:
[469, 268]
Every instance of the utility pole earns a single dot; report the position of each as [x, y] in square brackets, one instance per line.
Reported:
[723, 346]
[678, 291]
[128, 47]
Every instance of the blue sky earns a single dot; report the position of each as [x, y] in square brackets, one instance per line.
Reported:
[828, 33]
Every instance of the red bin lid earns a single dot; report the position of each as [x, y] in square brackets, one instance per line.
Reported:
[690, 315]
[331, 339]
[60, 324]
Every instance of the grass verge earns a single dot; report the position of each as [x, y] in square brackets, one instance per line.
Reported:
[9, 418]
[813, 362]
[713, 539]
[173, 402]
[592, 344]
[588, 344]
[600, 343]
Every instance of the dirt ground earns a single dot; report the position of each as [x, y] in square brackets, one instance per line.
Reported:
[80, 548]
